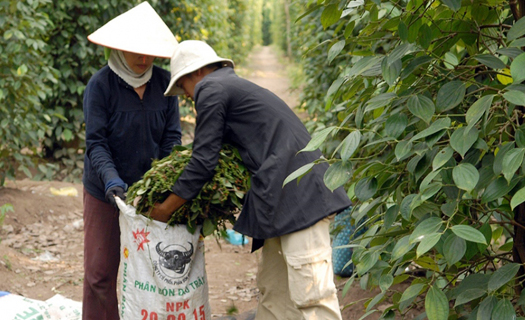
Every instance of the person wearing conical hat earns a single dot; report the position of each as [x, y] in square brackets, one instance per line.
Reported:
[290, 222]
[128, 122]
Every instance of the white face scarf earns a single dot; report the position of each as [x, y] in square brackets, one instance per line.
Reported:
[118, 64]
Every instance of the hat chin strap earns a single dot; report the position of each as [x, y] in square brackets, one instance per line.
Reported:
[117, 63]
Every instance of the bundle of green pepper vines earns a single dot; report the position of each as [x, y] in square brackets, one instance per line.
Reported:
[217, 202]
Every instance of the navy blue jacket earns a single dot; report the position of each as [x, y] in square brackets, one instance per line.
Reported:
[268, 135]
[124, 133]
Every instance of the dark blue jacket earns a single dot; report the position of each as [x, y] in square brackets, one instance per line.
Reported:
[124, 133]
[268, 136]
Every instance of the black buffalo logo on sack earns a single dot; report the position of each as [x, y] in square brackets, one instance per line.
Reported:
[175, 260]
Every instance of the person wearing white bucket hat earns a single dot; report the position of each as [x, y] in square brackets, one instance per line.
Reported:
[290, 222]
[190, 56]
[129, 122]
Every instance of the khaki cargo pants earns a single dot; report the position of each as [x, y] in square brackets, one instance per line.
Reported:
[296, 278]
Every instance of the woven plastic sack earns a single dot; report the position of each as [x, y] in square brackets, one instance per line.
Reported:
[162, 271]
[346, 232]
[15, 307]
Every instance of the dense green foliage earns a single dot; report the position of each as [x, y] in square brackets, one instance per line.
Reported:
[47, 62]
[266, 26]
[76, 60]
[418, 108]
[26, 79]
[231, 27]
[217, 202]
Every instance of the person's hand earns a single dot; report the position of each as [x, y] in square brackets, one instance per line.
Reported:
[113, 192]
[163, 211]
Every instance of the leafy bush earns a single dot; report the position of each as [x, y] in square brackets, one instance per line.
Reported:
[231, 27]
[25, 82]
[422, 121]
[76, 60]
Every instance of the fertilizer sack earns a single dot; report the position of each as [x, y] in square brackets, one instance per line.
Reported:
[58, 307]
[162, 271]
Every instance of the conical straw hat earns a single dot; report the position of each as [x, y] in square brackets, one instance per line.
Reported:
[139, 30]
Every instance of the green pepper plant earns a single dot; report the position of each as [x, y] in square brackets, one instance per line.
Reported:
[218, 201]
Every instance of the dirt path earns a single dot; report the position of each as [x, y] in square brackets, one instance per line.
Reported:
[264, 68]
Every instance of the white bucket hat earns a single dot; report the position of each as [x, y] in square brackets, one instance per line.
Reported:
[191, 55]
[139, 30]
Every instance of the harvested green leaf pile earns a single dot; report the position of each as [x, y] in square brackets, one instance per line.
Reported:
[218, 201]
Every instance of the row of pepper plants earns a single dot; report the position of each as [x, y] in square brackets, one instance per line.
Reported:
[418, 107]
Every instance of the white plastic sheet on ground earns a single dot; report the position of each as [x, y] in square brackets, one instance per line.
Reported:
[162, 271]
[15, 307]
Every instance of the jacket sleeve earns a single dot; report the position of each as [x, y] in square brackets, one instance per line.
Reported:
[96, 117]
[210, 105]
[172, 132]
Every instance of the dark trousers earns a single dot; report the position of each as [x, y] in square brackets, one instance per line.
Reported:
[101, 260]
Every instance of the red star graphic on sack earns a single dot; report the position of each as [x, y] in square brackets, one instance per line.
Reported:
[141, 237]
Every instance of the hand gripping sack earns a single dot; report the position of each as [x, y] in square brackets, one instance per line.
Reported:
[162, 271]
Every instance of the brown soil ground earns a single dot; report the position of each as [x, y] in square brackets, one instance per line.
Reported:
[41, 242]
